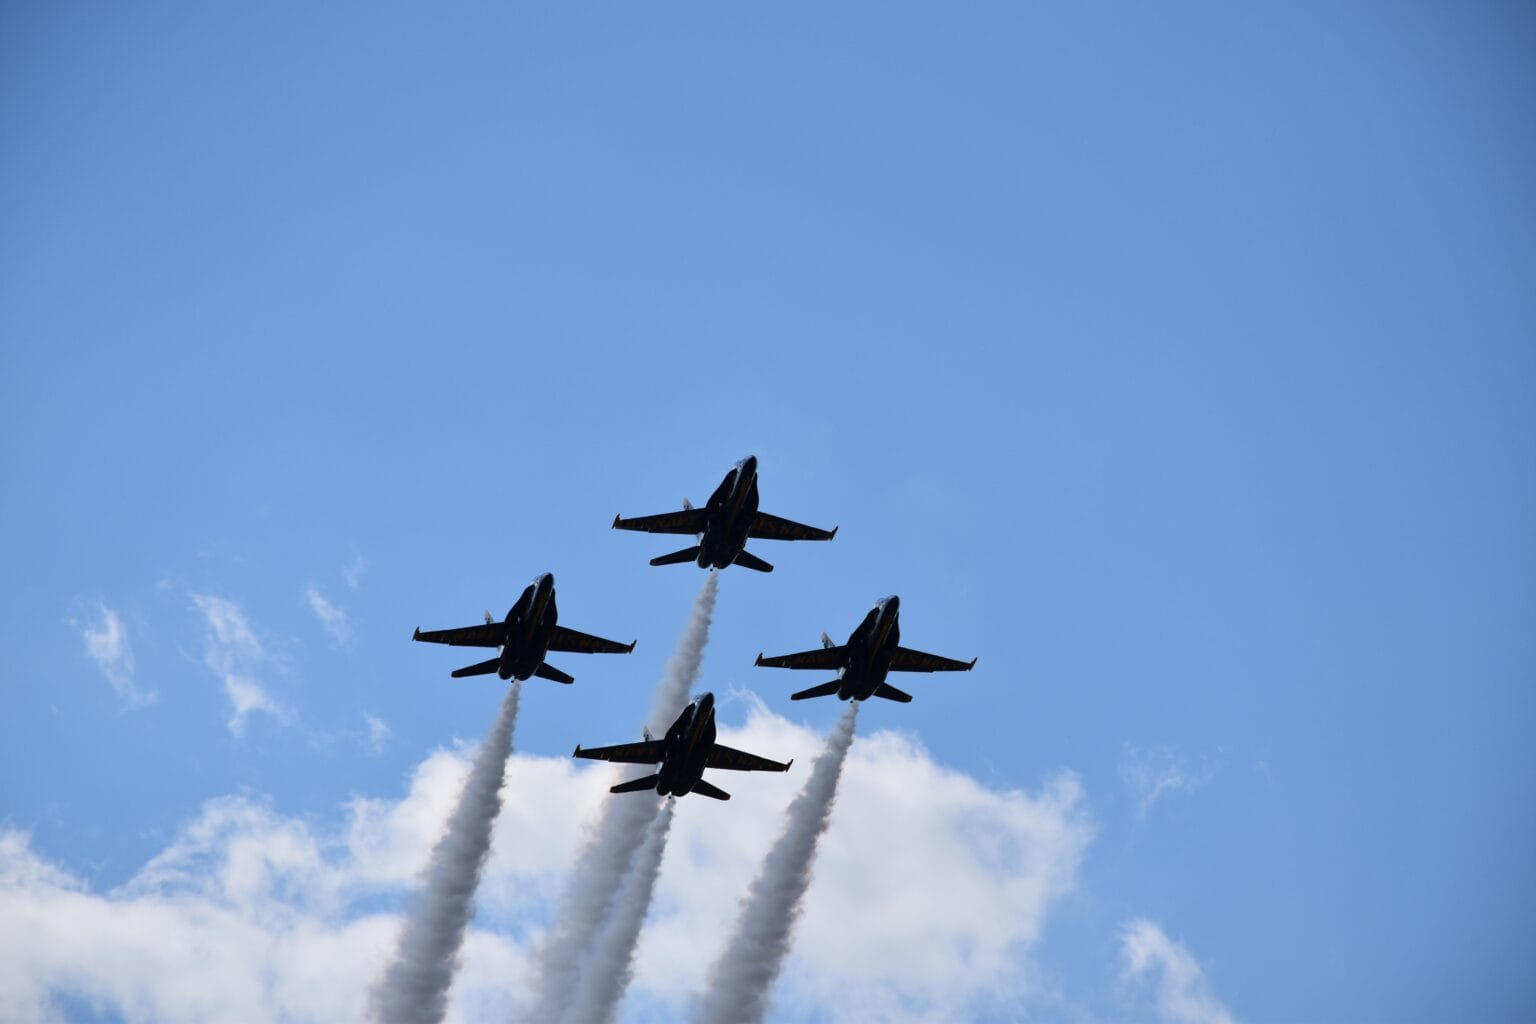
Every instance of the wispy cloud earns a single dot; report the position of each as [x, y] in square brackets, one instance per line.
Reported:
[336, 623]
[352, 573]
[1183, 996]
[378, 732]
[1153, 772]
[106, 644]
[232, 651]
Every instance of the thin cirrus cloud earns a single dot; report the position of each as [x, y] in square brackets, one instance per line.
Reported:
[336, 623]
[1181, 993]
[379, 732]
[1154, 772]
[232, 651]
[251, 915]
[106, 644]
[352, 572]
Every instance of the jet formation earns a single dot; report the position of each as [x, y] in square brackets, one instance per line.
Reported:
[722, 527]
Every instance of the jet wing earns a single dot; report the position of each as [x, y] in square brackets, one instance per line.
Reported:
[905, 659]
[647, 752]
[767, 527]
[562, 639]
[735, 760]
[489, 634]
[689, 520]
[822, 658]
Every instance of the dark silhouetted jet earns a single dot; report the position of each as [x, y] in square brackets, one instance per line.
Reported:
[872, 650]
[525, 636]
[688, 748]
[724, 524]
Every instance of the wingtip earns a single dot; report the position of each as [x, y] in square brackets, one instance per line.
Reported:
[759, 660]
[834, 534]
[971, 665]
[632, 647]
[616, 517]
[790, 765]
[577, 751]
[417, 634]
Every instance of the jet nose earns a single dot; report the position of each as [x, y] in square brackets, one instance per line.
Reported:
[706, 701]
[749, 463]
[544, 581]
[892, 604]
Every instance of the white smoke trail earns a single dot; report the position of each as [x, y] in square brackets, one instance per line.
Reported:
[682, 669]
[610, 847]
[609, 966]
[739, 982]
[414, 987]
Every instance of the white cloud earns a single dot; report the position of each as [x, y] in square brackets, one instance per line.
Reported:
[1153, 772]
[232, 651]
[1183, 996]
[333, 620]
[106, 644]
[941, 885]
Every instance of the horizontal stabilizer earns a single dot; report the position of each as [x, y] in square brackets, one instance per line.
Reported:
[890, 692]
[705, 789]
[677, 557]
[548, 671]
[824, 690]
[751, 561]
[635, 785]
[485, 668]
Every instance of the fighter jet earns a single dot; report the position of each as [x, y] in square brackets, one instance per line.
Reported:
[689, 748]
[525, 636]
[724, 524]
[872, 650]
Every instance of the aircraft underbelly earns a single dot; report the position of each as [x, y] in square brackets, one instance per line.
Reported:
[859, 689]
[862, 678]
[676, 780]
[519, 660]
[720, 546]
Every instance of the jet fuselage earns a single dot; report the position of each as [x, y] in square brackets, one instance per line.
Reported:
[870, 648]
[731, 510]
[688, 743]
[528, 626]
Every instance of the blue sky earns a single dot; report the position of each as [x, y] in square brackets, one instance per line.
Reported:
[1178, 363]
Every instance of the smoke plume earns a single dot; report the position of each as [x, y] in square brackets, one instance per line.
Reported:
[414, 987]
[682, 669]
[610, 965]
[739, 982]
[610, 847]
